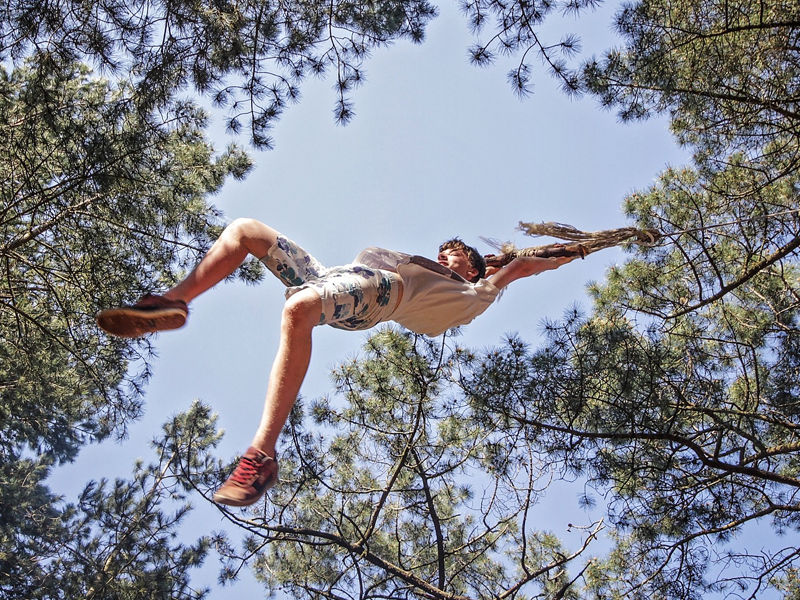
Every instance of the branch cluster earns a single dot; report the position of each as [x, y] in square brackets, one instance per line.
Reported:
[247, 56]
[405, 494]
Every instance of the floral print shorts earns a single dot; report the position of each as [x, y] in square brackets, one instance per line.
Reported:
[354, 297]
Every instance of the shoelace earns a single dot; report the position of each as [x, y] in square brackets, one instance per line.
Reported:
[246, 471]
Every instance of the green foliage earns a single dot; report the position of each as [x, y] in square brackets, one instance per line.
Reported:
[517, 30]
[676, 399]
[118, 541]
[99, 202]
[252, 57]
[790, 585]
[725, 72]
[399, 492]
[247, 56]
[679, 392]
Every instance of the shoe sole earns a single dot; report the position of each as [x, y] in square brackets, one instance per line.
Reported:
[132, 323]
[228, 501]
[233, 502]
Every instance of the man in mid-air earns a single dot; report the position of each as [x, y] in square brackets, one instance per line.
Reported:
[427, 297]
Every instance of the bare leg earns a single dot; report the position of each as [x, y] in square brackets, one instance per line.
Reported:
[240, 238]
[257, 469]
[169, 311]
[300, 314]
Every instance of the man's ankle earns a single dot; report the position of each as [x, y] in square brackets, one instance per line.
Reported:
[170, 295]
[267, 449]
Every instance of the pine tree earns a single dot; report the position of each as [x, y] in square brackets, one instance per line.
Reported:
[118, 540]
[676, 396]
[725, 72]
[100, 202]
[250, 57]
[395, 489]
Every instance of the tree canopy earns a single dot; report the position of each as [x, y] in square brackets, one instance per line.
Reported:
[251, 58]
[247, 56]
[673, 399]
[725, 72]
[100, 202]
[398, 490]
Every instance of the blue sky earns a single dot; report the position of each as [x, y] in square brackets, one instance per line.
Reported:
[438, 148]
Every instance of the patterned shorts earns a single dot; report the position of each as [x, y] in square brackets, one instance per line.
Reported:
[354, 297]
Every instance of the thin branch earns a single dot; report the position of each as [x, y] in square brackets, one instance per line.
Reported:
[749, 274]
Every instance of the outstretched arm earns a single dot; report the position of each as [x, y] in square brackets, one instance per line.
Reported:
[524, 266]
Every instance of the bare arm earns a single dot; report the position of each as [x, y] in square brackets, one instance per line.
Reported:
[524, 266]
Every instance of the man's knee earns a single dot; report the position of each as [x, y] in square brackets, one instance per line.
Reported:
[302, 310]
[253, 235]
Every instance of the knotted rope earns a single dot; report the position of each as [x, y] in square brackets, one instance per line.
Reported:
[583, 242]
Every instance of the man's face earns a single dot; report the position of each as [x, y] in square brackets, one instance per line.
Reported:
[457, 261]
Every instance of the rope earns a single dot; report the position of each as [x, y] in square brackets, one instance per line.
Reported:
[594, 240]
[585, 243]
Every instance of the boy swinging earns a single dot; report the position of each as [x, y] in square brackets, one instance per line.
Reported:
[425, 296]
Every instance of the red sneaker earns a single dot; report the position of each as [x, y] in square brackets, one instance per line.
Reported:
[253, 476]
[151, 313]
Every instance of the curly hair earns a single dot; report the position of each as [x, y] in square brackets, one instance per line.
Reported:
[474, 257]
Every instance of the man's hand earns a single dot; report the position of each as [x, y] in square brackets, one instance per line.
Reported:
[533, 265]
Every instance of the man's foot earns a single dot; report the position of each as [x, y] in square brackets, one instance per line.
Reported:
[253, 476]
[151, 313]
